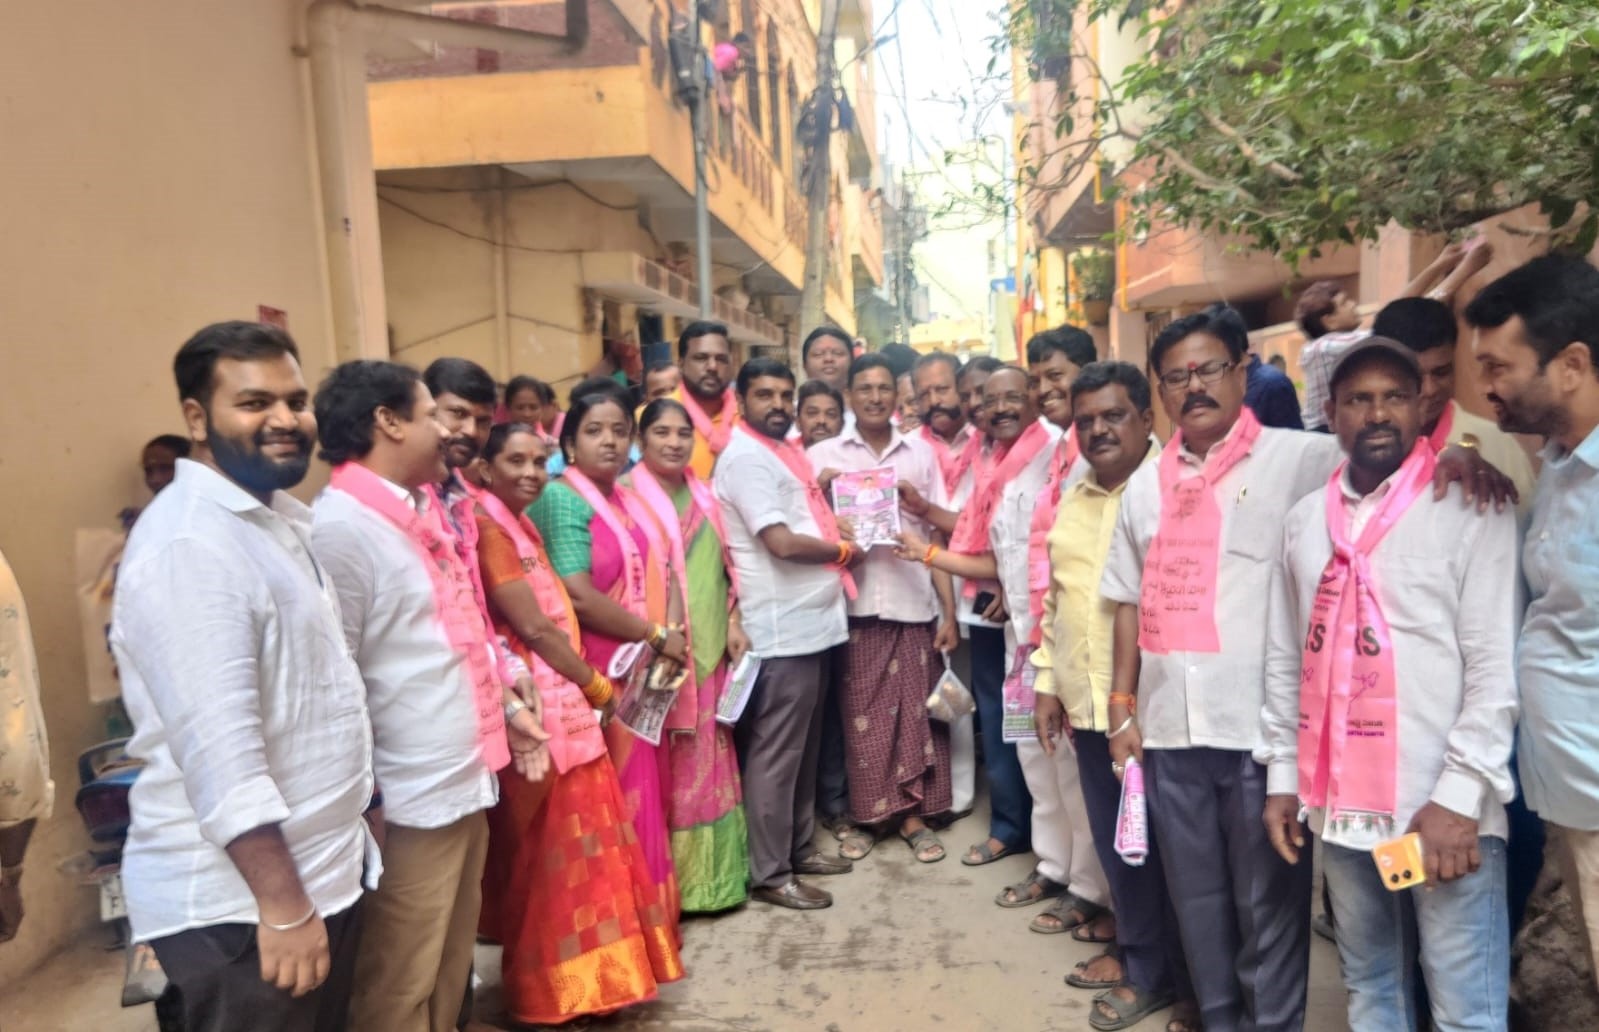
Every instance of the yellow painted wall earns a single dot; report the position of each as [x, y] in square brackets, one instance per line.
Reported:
[160, 176]
[440, 281]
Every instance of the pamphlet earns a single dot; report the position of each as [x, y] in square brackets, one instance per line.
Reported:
[1017, 722]
[645, 694]
[869, 499]
[736, 692]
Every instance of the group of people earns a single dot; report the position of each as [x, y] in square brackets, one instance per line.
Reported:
[410, 714]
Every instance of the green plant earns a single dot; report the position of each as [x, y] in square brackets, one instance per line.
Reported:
[1096, 275]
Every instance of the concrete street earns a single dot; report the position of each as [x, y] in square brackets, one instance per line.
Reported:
[905, 948]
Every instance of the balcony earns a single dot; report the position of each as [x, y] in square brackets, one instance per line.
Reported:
[604, 116]
[865, 239]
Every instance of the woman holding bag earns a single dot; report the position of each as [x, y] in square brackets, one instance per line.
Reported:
[610, 551]
[704, 808]
[530, 904]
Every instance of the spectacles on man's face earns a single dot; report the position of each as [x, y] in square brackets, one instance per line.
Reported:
[1209, 373]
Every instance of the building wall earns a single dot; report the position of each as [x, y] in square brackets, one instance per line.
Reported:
[159, 161]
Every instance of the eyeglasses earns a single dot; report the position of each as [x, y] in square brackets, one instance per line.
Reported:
[1210, 373]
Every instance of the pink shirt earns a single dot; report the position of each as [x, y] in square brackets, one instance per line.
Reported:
[889, 587]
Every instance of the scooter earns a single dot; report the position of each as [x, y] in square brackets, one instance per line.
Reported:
[106, 774]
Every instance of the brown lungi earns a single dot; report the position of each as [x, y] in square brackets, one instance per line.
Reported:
[898, 758]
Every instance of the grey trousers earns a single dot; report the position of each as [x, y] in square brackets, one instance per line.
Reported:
[1244, 913]
[778, 741]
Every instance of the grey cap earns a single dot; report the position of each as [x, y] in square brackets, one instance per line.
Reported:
[1369, 349]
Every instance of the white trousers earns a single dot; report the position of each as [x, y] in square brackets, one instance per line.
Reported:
[1062, 840]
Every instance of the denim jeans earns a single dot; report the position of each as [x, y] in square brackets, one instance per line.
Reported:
[1461, 930]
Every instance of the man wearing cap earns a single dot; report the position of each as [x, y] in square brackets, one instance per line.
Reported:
[1197, 538]
[1390, 705]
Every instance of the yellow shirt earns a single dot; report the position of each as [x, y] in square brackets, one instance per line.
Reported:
[1073, 658]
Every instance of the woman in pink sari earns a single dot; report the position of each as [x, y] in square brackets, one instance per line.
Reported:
[611, 553]
[704, 810]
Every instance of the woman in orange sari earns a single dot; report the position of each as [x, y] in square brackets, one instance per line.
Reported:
[566, 890]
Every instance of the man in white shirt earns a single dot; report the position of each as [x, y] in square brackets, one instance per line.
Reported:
[445, 713]
[792, 571]
[1390, 706]
[898, 757]
[1538, 351]
[244, 861]
[1244, 914]
[935, 382]
[1428, 327]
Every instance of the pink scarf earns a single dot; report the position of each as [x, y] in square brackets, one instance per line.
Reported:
[716, 437]
[456, 595]
[794, 459]
[953, 463]
[1348, 709]
[971, 529]
[575, 737]
[1439, 438]
[1177, 605]
[1044, 508]
[684, 715]
[635, 576]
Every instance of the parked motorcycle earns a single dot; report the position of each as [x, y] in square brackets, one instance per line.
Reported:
[106, 774]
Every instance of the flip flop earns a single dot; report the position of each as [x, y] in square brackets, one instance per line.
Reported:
[1128, 1012]
[921, 839]
[1085, 933]
[857, 843]
[1022, 894]
[984, 855]
[1078, 980]
[1062, 909]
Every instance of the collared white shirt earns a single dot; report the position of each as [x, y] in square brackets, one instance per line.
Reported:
[1557, 658]
[419, 690]
[248, 708]
[1010, 531]
[1213, 699]
[1444, 576]
[788, 608]
[887, 586]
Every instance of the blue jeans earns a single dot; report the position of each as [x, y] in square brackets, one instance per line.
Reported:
[1010, 804]
[1461, 930]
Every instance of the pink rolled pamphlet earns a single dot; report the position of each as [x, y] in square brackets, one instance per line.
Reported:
[1132, 819]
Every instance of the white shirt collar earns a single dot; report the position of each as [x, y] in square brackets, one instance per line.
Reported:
[206, 482]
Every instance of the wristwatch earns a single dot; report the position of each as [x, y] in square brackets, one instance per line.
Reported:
[512, 708]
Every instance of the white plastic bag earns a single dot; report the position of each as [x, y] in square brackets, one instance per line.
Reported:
[951, 699]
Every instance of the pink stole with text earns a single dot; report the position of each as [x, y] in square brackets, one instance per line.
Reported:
[456, 596]
[1439, 438]
[1348, 700]
[794, 459]
[575, 737]
[1177, 600]
[1008, 461]
[635, 583]
[1044, 508]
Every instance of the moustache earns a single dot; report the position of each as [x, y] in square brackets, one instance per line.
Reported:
[1376, 431]
[1199, 401]
[948, 411]
[1103, 441]
[294, 437]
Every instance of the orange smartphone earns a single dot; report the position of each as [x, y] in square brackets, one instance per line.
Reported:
[1399, 862]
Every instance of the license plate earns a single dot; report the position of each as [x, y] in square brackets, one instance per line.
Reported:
[112, 903]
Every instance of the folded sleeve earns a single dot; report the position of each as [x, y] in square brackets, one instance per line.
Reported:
[193, 630]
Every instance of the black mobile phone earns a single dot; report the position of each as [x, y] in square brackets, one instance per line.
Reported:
[981, 603]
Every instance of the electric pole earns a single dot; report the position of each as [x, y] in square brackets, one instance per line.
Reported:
[813, 296]
[702, 206]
